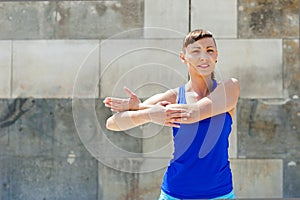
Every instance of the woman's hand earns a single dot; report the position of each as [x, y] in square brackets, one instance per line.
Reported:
[119, 105]
[161, 114]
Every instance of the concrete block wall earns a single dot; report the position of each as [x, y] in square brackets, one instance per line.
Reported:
[59, 59]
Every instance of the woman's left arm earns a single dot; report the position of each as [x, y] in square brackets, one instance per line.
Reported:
[223, 99]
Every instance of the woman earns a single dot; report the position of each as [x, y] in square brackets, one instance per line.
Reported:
[200, 113]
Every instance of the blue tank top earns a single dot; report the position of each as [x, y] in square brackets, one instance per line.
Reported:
[200, 168]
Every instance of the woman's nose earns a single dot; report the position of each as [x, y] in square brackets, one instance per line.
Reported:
[203, 56]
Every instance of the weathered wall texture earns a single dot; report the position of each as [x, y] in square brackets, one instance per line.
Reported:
[59, 59]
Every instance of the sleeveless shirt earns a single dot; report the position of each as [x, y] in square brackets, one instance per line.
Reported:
[200, 168]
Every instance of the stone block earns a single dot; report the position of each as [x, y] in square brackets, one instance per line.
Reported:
[291, 60]
[37, 20]
[219, 17]
[66, 139]
[268, 129]
[130, 185]
[129, 140]
[30, 126]
[5, 68]
[233, 148]
[150, 183]
[257, 64]
[55, 69]
[157, 141]
[257, 178]
[291, 178]
[98, 19]
[4, 113]
[39, 127]
[48, 178]
[268, 18]
[168, 20]
[70, 19]
[147, 67]
[118, 185]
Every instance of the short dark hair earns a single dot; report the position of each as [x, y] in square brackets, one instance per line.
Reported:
[195, 35]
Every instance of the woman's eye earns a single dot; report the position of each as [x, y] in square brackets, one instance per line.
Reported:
[210, 50]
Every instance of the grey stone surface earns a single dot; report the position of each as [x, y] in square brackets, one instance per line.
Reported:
[255, 63]
[39, 127]
[118, 185]
[268, 18]
[97, 19]
[219, 17]
[27, 20]
[25, 178]
[268, 129]
[157, 141]
[257, 178]
[55, 68]
[233, 148]
[5, 69]
[291, 178]
[129, 140]
[141, 186]
[168, 20]
[69, 19]
[291, 58]
[42, 156]
[146, 66]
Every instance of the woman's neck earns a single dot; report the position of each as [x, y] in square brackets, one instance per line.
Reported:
[202, 86]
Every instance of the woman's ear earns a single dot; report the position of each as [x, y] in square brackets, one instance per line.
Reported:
[182, 57]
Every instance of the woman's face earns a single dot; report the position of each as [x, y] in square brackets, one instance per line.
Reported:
[201, 56]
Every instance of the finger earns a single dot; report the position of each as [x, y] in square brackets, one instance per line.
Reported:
[119, 103]
[178, 115]
[116, 100]
[172, 125]
[170, 111]
[129, 92]
[118, 108]
[179, 120]
[106, 100]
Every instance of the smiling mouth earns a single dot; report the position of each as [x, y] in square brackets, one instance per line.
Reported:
[203, 66]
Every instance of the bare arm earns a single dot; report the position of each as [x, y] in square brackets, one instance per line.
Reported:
[152, 110]
[158, 114]
[134, 103]
[223, 99]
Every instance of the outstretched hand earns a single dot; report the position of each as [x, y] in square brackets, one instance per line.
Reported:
[120, 104]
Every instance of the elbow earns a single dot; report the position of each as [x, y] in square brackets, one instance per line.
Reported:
[110, 125]
[235, 88]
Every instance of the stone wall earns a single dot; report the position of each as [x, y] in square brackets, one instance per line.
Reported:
[59, 59]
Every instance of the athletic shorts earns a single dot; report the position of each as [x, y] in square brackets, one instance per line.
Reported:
[164, 196]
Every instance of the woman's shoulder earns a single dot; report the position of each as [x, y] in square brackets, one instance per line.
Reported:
[232, 81]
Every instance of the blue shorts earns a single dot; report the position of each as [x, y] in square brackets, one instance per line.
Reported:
[164, 196]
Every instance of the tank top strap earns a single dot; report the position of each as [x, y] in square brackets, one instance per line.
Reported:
[215, 84]
[181, 95]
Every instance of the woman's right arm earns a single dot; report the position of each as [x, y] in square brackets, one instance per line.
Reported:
[158, 114]
[127, 120]
[151, 110]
